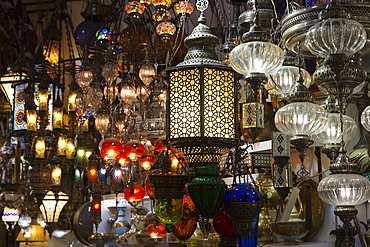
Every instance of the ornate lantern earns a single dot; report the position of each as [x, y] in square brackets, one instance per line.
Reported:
[201, 118]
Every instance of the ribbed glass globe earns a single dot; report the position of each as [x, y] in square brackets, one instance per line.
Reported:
[286, 79]
[256, 57]
[365, 118]
[301, 118]
[344, 189]
[332, 134]
[335, 36]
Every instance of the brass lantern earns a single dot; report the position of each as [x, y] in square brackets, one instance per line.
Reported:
[201, 120]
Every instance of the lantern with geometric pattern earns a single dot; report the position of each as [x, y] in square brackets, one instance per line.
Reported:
[201, 119]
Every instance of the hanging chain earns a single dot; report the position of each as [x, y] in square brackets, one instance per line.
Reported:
[218, 7]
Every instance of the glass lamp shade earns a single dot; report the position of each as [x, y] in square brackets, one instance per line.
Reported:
[85, 76]
[84, 34]
[135, 7]
[344, 189]
[335, 36]
[146, 73]
[160, 15]
[161, 2]
[52, 205]
[256, 57]
[332, 134]
[134, 195]
[207, 190]
[223, 224]
[185, 228]
[365, 118]
[56, 176]
[10, 214]
[183, 7]
[111, 148]
[156, 230]
[286, 79]
[101, 122]
[301, 118]
[110, 72]
[24, 221]
[133, 150]
[128, 93]
[122, 158]
[165, 28]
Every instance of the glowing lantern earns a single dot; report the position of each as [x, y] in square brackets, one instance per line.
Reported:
[134, 195]
[183, 7]
[147, 161]
[165, 30]
[122, 159]
[133, 150]
[158, 145]
[110, 148]
[135, 9]
[156, 230]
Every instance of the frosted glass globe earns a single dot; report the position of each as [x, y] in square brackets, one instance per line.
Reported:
[344, 189]
[256, 57]
[332, 134]
[301, 118]
[284, 80]
[365, 118]
[335, 36]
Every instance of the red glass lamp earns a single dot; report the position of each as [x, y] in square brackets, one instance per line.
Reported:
[156, 230]
[110, 148]
[133, 150]
[134, 195]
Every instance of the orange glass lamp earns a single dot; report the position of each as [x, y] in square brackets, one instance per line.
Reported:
[134, 195]
[156, 230]
[135, 9]
[133, 150]
[111, 148]
[51, 51]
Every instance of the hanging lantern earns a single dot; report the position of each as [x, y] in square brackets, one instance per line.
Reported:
[133, 149]
[169, 197]
[24, 221]
[185, 228]
[202, 111]
[40, 147]
[111, 148]
[183, 8]
[52, 204]
[242, 204]
[70, 151]
[62, 145]
[161, 15]
[135, 9]
[223, 225]
[110, 72]
[207, 190]
[134, 195]
[165, 30]
[56, 176]
[10, 217]
[147, 161]
[122, 159]
[147, 73]
[156, 230]
[159, 144]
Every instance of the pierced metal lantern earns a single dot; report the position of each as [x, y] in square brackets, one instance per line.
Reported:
[201, 117]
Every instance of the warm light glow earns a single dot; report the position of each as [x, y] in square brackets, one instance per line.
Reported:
[72, 101]
[31, 120]
[62, 145]
[56, 176]
[57, 118]
[43, 98]
[40, 148]
[70, 151]
[146, 165]
[52, 206]
[10, 214]
[96, 206]
[51, 53]
[41, 221]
